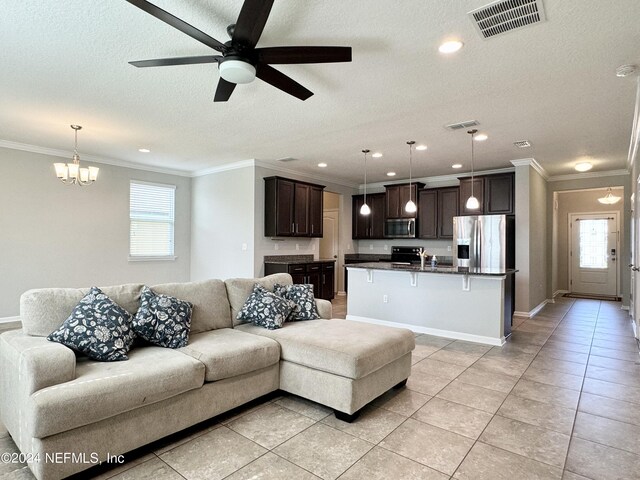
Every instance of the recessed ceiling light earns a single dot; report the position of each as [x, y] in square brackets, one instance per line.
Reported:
[583, 166]
[322, 165]
[376, 155]
[391, 174]
[456, 165]
[421, 147]
[481, 137]
[451, 46]
[144, 150]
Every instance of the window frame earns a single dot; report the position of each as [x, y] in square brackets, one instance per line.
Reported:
[154, 258]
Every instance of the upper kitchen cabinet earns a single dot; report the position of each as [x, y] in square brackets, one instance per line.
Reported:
[292, 208]
[494, 192]
[436, 209]
[398, 195]
[368, 226]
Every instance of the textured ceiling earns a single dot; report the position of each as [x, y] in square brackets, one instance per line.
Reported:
[552, 84]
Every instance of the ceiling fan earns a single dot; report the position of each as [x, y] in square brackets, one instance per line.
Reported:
[241, 61]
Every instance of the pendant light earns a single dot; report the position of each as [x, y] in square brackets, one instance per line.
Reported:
[410, 207]
[609, 198]
[472, 201]
[364, 209]
[72, 173]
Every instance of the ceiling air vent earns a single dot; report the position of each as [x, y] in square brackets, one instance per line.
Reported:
[522, 144]
[460, 125]
[506, 15]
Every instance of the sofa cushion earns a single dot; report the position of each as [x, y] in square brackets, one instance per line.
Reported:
[239, 289]
[209, 300]
[265, 309]
[162, 319]
[342, 347]
[302, 296]
[97, 327]
[102, 390]
[227, 352]
[43, 310]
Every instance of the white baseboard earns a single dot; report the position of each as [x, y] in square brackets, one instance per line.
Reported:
[9, 319]
[624, 307]
[635, 329]
[432, 331]
[532, 312]
[341, 293]
[559, 292]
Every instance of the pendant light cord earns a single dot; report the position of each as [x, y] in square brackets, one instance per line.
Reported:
[410, 143]
[365, 151]
[472, 132]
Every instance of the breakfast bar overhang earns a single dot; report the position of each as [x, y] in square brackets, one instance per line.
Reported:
[467, 304]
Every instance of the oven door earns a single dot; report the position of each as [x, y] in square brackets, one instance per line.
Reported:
[400, 228]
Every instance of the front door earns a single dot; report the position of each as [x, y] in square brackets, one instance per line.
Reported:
[593, 256]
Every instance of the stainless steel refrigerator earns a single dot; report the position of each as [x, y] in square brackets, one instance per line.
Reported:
[484, 241]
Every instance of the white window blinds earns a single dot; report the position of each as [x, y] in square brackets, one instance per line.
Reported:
[151, 219]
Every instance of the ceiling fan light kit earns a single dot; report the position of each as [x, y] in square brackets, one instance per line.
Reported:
[237, 71]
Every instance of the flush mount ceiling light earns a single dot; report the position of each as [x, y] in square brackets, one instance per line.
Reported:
[472, 201]
[410, 206]
[481, 137]
[391, 174]
[456, 165]
[583, 166]
[377, 155]
[364, 209]
[609, 198]
[450, 46]
[144, 150]
[322, 165]
[72, 173]
[421, 147]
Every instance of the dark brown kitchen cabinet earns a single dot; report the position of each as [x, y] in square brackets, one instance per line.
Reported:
[397, 197]
[495, 193]
[319, 274]
[292, 208]
[498, 194]
[368, 226]
[428, 213]
[436, 209]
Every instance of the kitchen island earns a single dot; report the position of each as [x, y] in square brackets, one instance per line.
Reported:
[467, 304]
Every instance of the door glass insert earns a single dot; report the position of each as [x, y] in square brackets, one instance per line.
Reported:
[594, 235]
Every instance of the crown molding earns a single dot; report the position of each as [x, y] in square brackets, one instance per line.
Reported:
[579, 176]
[533, 164]
[224, 168]
[314, 177]
[91, 158]
[441, 180]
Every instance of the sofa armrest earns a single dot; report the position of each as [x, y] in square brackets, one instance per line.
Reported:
[37, 362]
[325, 309]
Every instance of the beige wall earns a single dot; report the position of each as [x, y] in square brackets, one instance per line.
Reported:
[585, 201]
[625, 242]
[53, 235]
[538, 252]
[522, 188]
[331, 201]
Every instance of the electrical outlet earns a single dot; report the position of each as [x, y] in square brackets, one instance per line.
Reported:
[244, 247]
[386, 247]
[349, 246]
[276, 246]
[385, 299]
[313, 247]
[297, 246]
[448, 248]
[371, 246]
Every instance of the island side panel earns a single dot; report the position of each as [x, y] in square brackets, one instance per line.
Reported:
[437, 304]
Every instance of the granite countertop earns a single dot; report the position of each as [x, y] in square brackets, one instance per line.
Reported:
[294, 259]
[370, 257]
[428, 269]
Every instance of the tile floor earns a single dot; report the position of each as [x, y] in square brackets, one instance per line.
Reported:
[561, 400]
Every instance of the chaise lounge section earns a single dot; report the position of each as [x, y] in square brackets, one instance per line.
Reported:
[53, 401]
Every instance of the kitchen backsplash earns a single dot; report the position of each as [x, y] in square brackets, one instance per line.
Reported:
[432, 247]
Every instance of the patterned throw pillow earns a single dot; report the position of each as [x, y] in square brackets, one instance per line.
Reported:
[265, 309]
[162, 320]
[97, 327]
[302, 296]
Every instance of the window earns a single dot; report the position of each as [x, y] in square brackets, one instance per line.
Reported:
[594, 235]
[151, 219]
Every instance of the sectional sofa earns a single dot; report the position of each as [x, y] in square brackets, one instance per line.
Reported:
[66, 412]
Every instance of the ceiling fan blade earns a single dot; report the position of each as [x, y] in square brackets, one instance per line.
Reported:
[181, 25]
[224, 90]
[280, 80]
[282, 55]
[251, 21]
[165, 62]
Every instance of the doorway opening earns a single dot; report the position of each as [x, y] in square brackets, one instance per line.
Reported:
[329, 248]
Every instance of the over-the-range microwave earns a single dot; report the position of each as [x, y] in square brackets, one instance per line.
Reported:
[400, 228]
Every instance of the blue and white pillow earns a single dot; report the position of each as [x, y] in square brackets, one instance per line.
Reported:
[265, 309]
[162, 320]
[302, 296]
[97, 327]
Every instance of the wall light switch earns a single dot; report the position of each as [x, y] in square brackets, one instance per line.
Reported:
[313, 247]
[385, 299]
[244, 247]
[448, 248]
[297, 246]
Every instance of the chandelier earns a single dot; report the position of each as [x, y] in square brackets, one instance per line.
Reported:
[72, 173]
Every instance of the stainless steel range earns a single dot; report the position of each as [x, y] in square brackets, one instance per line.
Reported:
[405, 255]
